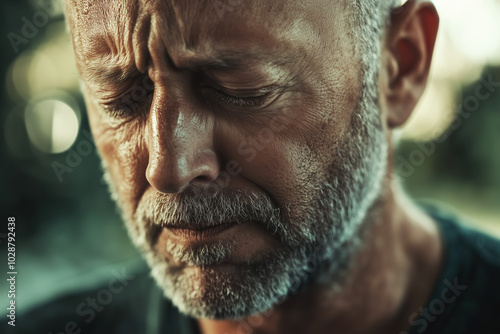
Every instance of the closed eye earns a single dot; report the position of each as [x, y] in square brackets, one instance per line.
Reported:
[253, 99]
[236, 101]
[134, 101]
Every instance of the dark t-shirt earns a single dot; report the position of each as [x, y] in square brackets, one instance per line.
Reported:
[466, 298]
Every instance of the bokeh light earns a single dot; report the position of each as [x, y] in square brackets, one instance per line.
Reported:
[51, 66]
[474, 27]
[468, 40]
[52, 125]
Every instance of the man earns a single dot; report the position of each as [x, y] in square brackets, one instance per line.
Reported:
[249, 147]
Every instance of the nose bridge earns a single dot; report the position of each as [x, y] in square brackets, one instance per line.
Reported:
[180, 141]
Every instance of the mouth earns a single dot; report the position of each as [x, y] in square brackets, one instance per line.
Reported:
[185, 231]
[239, 241]
[198, 232]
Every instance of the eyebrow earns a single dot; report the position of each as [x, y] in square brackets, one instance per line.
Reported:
[96, 72]
[232, 59]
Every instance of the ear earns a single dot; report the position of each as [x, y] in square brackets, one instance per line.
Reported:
[406, 59]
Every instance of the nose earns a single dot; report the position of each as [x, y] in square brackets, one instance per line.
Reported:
[180, 143]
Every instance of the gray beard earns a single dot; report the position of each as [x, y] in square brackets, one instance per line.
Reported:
[318, 245]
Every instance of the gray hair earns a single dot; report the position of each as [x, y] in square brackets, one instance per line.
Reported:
[369, 22]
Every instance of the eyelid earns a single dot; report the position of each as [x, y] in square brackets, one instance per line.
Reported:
[128, 101]
[249, 93]
[257, 100]
[247, 101]
[238, 91]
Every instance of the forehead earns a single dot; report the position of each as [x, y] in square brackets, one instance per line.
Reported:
[200, 28]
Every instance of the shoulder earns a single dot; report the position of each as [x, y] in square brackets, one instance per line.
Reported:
[463, 238]
[466, 298]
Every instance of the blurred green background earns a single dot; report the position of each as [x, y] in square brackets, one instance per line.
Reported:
[68, 232]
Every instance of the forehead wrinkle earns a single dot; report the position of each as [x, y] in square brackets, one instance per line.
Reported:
[103, 32]
[190, 38]
[180, 23]
[165, 26]
[188, 29]
[188, 16]
[170, 22]
[142, 35]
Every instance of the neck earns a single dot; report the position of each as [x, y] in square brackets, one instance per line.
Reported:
[392, 275]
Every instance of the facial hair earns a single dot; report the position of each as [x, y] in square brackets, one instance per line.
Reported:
[317, 245]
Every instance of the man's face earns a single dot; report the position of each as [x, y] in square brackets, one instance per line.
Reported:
[249, 113]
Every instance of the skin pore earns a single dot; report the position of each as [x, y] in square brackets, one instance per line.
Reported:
[210, 83]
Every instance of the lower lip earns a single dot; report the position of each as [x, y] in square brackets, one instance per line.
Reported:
[208, 232]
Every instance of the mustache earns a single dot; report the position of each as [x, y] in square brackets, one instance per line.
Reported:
[195, 208]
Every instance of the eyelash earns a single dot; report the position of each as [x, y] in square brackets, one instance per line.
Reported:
[239, 102]
[133, 106]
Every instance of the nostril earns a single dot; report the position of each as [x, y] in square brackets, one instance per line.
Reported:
[203, 178]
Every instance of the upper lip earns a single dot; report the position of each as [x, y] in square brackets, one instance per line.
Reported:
[189, 226]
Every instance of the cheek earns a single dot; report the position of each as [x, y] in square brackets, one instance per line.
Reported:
[289, 160]
[121, 147]
[290, 171]
[273, 157]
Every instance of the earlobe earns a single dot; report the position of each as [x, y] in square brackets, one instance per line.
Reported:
[409, 46]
